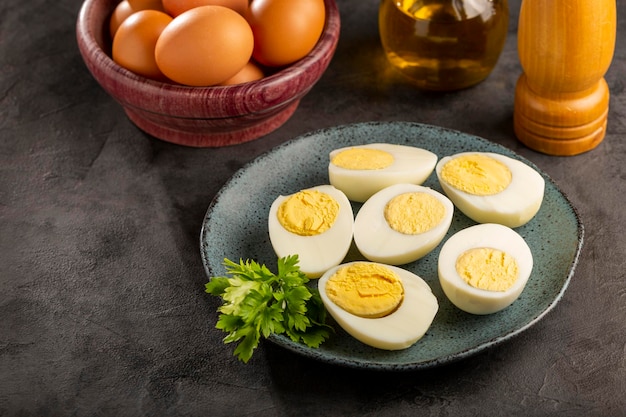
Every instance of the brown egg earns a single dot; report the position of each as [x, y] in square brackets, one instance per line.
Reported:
[127, 7]
[285, 30]
[250, 72]
[120, 13]
[204, 46]
[176, 7]
[135, 40]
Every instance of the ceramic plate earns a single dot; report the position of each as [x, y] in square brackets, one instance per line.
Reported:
[235, 226]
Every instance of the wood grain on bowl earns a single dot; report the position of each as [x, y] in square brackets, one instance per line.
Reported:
[202, 116]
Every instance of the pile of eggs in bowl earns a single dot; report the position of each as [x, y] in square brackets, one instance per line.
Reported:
[482, 269]
[213, 42]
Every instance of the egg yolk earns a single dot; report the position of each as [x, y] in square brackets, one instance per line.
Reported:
[365, 290]
[363, 159]
[477, 174]
[308, 212]
[487, 269]
[414, 213]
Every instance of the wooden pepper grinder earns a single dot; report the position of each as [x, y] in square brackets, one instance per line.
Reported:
[562, 99]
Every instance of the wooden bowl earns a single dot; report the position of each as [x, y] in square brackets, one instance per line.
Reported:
[202, 116]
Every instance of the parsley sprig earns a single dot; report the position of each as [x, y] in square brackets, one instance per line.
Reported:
[258, 303]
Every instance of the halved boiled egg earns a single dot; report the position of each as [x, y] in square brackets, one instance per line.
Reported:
[402, 223]
[361, 171]
[383, 306]
[484, 268]
[491, 188]
[316, 224]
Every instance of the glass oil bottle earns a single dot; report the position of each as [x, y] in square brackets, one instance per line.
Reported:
[443, 44]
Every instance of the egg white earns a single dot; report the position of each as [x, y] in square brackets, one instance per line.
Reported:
[378, 242]
[475, 300]
[398, 330]
[319, 252]
[411, 165]
[512, 207]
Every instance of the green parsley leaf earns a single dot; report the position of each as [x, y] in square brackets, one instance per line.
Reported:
[258, 303]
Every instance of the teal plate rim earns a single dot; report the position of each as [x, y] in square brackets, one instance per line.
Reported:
[235, 227]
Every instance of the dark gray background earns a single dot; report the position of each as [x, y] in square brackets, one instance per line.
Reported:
[102, 303]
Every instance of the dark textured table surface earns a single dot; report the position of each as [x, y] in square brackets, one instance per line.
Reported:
[102, 303]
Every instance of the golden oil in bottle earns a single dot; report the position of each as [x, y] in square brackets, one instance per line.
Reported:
[443, 44]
